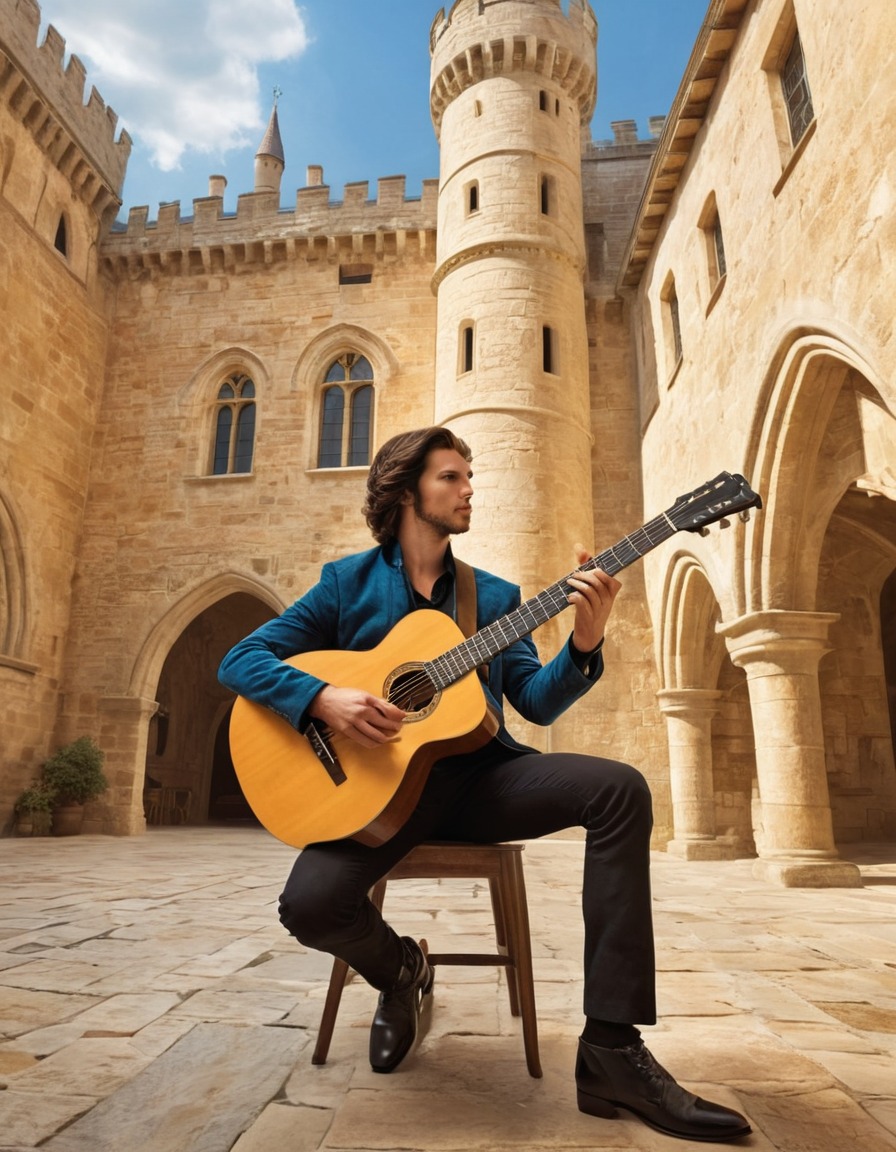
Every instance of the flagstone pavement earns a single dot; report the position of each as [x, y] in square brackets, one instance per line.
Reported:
[151, 1002]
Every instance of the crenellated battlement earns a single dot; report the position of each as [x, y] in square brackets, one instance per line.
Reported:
[261, 232]
[477, 41]
[48, 97]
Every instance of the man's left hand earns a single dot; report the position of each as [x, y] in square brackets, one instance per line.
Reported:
[593, 597]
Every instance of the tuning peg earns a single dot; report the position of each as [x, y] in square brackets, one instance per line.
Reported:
[724, 523]
[704, 531]
[745, 516]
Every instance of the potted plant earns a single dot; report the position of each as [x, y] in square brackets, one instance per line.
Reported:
[33, 810]
[75, 774]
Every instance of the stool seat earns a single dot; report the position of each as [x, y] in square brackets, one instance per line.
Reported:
[502, 866]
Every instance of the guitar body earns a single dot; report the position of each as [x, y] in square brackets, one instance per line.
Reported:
[293, 793]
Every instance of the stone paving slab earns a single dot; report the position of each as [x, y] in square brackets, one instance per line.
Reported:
[150, 1002]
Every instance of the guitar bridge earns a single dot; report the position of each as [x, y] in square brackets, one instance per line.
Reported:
[320, 745]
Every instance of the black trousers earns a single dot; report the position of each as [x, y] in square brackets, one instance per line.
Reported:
[494, 796]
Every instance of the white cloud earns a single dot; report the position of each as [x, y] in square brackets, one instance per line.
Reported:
[181, 74]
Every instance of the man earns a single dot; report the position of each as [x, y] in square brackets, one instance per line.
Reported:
[419, 494]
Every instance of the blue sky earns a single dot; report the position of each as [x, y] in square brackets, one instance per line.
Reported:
[192, 81]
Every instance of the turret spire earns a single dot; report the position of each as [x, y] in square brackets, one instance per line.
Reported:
[269, 159]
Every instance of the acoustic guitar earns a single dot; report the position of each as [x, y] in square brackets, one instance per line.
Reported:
[316, 785]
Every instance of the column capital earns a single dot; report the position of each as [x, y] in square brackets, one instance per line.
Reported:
[779, 637]
[689, 703]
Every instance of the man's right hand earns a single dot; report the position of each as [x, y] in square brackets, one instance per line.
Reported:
[364, 718]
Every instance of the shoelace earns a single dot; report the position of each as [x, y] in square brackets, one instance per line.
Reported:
[644, 1060]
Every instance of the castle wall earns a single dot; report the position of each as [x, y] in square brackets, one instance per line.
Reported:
[59, 162]
[787, 373]
[195, 301]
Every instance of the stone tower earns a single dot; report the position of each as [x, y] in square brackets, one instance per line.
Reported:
[269, 159]
[513, 83]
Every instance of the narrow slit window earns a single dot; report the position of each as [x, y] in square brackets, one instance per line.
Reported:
[473, 197]
[61, 241]
[545, 191]
[675, 318]
[466, 354]
[548, 351]
[542, 101]
[719, 245]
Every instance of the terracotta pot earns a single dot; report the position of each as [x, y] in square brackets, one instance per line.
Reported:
[67, 819]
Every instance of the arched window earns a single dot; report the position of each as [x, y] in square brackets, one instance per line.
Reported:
[234, 426]
[348, 386]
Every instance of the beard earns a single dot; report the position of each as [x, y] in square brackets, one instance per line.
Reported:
[442, 526]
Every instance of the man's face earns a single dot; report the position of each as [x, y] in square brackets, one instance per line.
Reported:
[444, 491]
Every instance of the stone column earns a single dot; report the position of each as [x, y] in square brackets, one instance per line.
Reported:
[124, 729]
[780, 652]
[689, 714]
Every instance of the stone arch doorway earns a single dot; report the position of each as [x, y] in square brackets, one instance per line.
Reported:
[704, 703]
[857, 680]
[821, 453]
[187, 756]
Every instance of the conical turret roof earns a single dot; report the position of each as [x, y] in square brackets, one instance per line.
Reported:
[272, 145]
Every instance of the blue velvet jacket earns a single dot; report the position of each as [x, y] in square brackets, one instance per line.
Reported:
[354, 605]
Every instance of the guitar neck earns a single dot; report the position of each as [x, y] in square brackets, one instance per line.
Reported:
[495, 638]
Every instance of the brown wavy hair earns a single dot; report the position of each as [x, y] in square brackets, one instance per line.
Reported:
[396, 469]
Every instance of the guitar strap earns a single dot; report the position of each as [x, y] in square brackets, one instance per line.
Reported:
[465, 604]
[465, 597]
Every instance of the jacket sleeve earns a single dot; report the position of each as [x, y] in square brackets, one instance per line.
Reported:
[254, 667]
[541, 693]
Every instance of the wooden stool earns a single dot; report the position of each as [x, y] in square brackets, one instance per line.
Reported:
[502, 866]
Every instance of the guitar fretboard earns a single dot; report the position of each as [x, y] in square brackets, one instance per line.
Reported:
[496, 637]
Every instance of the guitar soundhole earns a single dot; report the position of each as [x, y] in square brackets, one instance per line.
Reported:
[408, 687]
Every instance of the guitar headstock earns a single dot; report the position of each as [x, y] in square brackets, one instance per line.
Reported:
[728, 494]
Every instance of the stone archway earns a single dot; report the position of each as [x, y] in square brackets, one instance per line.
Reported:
[821, 442]
[706, 723]
[193, 707]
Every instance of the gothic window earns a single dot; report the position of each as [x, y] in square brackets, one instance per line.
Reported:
[797, 96]
[346, 413]
[234, 426]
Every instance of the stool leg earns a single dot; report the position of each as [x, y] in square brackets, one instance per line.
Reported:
[520, 953]
[339, 977]
[500, 914]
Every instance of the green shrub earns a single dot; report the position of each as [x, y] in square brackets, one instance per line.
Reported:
[38, 798]
[75, 772]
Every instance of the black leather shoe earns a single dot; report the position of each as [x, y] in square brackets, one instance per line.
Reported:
[630, 1078]
[394, 1027]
